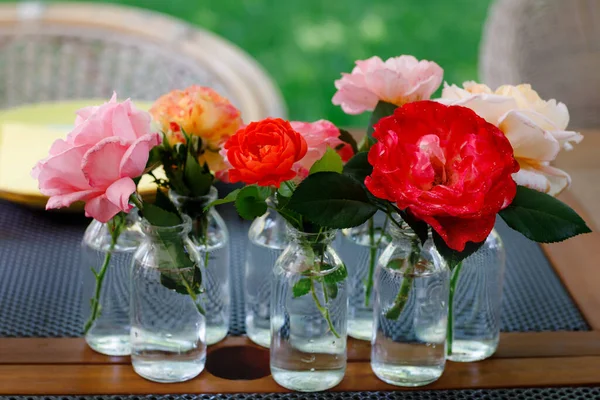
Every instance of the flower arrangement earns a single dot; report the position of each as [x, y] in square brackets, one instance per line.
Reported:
[273, 157]
[100, 163]
[450, 166]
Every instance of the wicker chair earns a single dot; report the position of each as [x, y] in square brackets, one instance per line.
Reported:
[552, 44]
[66, 51]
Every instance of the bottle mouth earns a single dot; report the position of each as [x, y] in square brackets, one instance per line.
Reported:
[183, 228]
[180, 200]
[326, 236]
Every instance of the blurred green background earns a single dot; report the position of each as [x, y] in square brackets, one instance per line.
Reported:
[306, 44]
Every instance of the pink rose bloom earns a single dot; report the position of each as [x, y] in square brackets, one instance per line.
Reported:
[108, 147]
[398, 80]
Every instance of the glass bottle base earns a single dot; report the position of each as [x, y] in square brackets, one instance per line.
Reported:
[261, 337]
[472, 350]
[165, 371]
[361, 328]
[214, 334]
[307, 381]
[110, 345]
[407, 376]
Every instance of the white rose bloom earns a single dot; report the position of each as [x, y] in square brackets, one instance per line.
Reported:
[535, 128]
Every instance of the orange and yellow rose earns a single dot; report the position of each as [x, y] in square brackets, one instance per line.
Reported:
[198, 111]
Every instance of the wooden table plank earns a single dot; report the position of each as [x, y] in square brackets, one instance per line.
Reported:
[512, 345]
[121, 379]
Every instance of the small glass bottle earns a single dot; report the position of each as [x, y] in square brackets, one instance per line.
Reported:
[410, 312]
[168, 329]
[105, 305]
[476, 302]
[212, 237]
[266, 240]
[360, 248]
[309, 311]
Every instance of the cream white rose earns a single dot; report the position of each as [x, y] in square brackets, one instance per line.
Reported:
[535, 128]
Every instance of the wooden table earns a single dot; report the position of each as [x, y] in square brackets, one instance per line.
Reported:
[68, 366]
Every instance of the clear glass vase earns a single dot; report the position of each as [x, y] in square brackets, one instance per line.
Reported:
[212, 237]
[475, 303]
[360, 248]
[105, 284]
[309, 314]
[168, 329]
[410, 312]
[267, 238]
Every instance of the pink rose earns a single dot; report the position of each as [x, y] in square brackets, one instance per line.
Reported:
[109, 146]
[318, 135]
[398, 80]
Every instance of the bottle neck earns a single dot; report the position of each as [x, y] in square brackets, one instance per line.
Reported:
[193, 206]
[162, 233]
[323, 238]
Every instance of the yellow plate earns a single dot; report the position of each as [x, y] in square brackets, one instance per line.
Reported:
[26, 134]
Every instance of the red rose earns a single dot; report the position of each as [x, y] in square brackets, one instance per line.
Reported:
[264, 152]
[447, 166]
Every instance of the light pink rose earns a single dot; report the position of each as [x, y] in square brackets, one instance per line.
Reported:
[108, 147]
[398, 80]
[319, 135]
[536, 129]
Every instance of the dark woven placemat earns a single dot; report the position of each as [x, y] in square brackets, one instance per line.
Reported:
[566, 393]
[40, 271]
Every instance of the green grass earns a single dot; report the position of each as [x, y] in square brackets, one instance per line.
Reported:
[306, 44]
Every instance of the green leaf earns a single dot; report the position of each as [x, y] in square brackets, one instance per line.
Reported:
[330, 162]
[284, 189]
[453, 257]
[251, 203]
[347, 137]
[332, 200]
[542, 218]
[197, 178]
[383, 109]
[230, 198]
[332, 289]
[159, 217]
[366, 143]
[358, 167]
[163, 201]
[302, 287]
[336, 276]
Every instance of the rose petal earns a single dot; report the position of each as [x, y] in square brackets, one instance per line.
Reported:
[527, 138]
[135, 158]
[101, 209]
[101, 163]
[119, 192]
[65, 200]
[543, 178]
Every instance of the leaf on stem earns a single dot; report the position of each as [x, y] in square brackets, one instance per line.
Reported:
[358, 167]
[330, 162]
[197, 178]
[332, 200]
[347, 137]
[542, 218]
[251, 203]
[420, 228]
[230, 198]
[301, 288]
[453, 257]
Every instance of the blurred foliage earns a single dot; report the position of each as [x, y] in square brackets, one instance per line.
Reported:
[306, 44]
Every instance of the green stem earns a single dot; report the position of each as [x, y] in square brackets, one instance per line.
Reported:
[115, 226]
[450, 331]
[407, 281]
[192, 295]
[137, 201]
[324, 310]
[372, 255]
